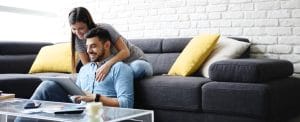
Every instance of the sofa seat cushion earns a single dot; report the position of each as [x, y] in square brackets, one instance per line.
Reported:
[235, 98]
[169, 92]
[250, 70]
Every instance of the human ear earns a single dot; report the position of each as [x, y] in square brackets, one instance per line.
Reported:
[107, 44]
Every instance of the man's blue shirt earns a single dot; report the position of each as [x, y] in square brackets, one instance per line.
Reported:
[118, 83]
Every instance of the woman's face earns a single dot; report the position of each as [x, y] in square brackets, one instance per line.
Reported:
[79, 28]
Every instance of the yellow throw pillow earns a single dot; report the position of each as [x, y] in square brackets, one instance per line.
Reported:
[194, 54]
[53, 58]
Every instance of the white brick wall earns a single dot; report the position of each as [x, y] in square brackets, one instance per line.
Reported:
[273, 26]
[297, 49]
[279, 49]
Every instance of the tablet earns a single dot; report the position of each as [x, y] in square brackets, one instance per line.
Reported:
[67, 83]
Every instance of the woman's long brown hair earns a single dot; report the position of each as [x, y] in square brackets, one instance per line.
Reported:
[79, 14]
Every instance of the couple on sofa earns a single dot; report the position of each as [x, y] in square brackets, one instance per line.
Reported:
[116, 89]
[101, 49]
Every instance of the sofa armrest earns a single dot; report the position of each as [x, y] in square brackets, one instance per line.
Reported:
[23, 85]
[250, 70]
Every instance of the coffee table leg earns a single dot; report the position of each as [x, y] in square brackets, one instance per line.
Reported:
[3, 118]
[145, 118]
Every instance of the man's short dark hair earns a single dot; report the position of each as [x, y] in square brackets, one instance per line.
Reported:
[101, 33]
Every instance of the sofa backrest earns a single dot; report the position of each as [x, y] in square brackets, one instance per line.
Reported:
[162, 53]
[17, 57]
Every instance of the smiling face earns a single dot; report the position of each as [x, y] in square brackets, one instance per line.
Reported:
[96, 49]
[79, 28]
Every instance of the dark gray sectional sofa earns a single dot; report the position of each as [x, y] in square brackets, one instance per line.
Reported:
[238, 90]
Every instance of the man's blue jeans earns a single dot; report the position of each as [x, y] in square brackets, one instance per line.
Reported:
[141, 69]
[49, 91]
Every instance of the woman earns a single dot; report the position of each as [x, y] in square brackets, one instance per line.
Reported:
[81, 22]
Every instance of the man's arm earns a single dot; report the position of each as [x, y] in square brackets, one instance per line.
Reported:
[107, 101]
[123, 84]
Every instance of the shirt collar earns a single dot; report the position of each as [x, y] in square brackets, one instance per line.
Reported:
[104, 61]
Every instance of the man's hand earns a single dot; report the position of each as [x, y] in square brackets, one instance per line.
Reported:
[102, 71]
[88, 98]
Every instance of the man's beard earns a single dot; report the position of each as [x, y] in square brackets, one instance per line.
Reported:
[99, 58]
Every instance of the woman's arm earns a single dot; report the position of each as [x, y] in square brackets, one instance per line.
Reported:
[123, 53]
[84, 57]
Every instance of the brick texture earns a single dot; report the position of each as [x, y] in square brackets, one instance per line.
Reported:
[273, 26]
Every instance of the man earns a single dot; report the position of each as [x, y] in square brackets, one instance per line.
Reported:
[115, 90]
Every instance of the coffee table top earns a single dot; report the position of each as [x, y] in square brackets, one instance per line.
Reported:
[14, 107]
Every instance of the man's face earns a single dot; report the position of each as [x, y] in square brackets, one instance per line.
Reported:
[95, 49]
[79, 28]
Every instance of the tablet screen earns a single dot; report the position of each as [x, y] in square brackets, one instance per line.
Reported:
[67, 83]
